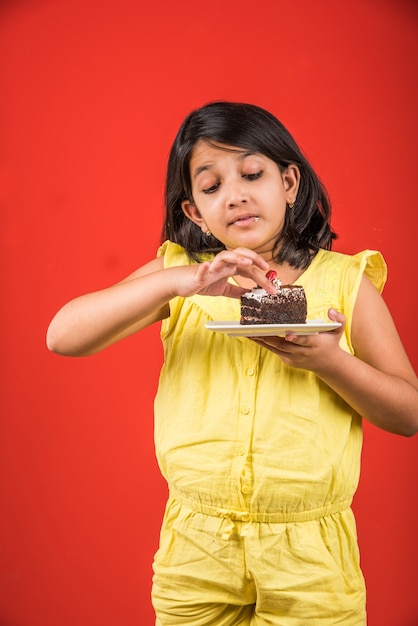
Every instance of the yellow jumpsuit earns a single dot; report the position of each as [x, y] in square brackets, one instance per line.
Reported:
[262, 462]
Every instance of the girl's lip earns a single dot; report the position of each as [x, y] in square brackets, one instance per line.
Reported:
[247, 218]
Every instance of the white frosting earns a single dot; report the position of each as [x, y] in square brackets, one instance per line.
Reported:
[257, 294]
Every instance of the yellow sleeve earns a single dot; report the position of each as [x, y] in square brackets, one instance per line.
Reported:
[374, 266]
[370, 263]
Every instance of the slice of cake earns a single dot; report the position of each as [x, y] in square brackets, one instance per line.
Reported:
[287, 306]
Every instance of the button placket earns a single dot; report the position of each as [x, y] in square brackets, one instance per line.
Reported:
[247, 409]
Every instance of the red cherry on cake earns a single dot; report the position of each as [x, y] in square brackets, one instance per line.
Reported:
[271, 275]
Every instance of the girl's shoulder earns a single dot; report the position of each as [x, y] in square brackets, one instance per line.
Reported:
[170, 249]
[368, 262]
[174, 254]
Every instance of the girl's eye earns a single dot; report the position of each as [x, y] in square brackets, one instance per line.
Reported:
[254, 176]
[211, 189]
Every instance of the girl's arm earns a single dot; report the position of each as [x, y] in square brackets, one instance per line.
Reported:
[378, 381]
[96, 320]
[91, 322]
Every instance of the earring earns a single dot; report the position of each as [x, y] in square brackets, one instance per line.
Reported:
[290, 205]
[208, 233]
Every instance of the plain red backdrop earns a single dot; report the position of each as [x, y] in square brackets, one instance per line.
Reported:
[92, 95]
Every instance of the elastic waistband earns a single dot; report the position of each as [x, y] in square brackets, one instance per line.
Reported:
[283, 517]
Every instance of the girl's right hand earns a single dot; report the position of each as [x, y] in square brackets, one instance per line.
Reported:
[92, 322]
[211, 277]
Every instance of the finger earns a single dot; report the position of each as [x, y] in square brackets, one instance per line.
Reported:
[260, 278]
[230, 260]
[291, 338]
[337, 316]
[266, 346]
[269, 342]
[202, 271]
[257, 260]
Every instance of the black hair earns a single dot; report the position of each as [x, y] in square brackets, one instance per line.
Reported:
[306, 226]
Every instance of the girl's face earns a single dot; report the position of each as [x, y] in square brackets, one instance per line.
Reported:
[239, 196]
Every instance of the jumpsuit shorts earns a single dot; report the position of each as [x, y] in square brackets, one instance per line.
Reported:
[216, 571]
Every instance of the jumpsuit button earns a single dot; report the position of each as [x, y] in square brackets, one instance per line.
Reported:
[240, 451]
[245, 410]
[250, 371]
[245, 489]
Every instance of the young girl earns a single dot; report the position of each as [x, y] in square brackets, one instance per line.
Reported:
[259, 439]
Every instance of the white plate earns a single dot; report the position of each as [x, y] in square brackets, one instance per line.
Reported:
[312, 327]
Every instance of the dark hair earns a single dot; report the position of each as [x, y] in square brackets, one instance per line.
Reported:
[306, 226]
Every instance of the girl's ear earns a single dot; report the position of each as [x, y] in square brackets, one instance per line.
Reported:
[191, 211]
[291, 179]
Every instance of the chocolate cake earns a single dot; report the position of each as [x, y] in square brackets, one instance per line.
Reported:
[287, 306]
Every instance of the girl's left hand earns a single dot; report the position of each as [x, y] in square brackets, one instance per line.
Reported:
[308, 352]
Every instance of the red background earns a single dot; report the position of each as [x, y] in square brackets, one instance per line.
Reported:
[92, 94]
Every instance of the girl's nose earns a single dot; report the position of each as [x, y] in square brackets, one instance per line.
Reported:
[236, 195]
